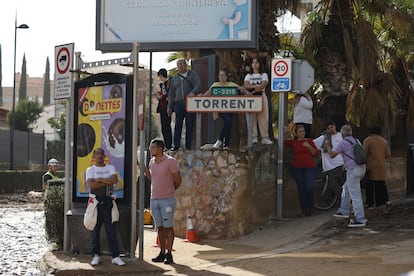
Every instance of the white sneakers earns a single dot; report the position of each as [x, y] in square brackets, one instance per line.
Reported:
[96, 260]
[118, 261]
[266, 141]
[218, 144]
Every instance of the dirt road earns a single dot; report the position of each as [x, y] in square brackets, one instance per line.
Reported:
[318, 245]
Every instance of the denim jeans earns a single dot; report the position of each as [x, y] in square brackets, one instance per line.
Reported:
[352, 192]
[305, 179]
[225, 132]
[180, 115]
[105, 217]
[162, 211]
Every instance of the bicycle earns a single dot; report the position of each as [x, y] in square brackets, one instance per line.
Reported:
[325, 196]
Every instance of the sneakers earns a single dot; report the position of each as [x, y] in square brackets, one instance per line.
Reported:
[255, 141]
[355, 224]
[226, 148]
[118, 261]
[168, 259]
[218, 144]
[95, 260]
[266, 141]
[159, 259]
[340, 215]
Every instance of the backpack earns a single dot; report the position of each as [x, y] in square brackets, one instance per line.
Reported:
[360, 157]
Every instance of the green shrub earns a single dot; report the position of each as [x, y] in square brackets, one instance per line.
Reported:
[54, 214]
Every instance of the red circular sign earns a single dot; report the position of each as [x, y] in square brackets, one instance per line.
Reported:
[281, 68]
[63, 60]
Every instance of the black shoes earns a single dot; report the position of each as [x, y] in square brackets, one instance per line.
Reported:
[159, 259]
[166, 258]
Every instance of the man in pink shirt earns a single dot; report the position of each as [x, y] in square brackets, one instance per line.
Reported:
[165, 177]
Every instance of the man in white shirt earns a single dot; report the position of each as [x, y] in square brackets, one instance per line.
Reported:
[333, 167]
[100, 178]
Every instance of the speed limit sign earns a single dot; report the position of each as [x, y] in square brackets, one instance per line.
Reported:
[281, 75]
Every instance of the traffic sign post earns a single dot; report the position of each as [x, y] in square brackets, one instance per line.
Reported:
[63, 76]
[303, 76]
[281, 75]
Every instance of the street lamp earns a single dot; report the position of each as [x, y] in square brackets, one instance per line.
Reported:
[12, 125]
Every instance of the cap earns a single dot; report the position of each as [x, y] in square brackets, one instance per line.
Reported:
[52, 162]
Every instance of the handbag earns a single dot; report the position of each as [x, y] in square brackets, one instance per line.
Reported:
[91, 214]
[114, 212]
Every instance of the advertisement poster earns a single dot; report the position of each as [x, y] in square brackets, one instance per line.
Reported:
[101, 112]
[169, 21]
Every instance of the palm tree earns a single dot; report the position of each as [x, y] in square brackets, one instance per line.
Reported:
[356, 62]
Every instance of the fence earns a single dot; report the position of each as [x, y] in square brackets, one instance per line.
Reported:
[29, 148]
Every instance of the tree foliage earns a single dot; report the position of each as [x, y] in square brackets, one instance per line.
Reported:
[23, 81]
[26, 113]
[59, 124]
[358, 49]
[46, 87]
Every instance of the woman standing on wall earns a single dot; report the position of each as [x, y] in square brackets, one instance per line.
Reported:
[256, 83]
[227, 117]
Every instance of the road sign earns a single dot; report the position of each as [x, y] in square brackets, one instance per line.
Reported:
[281, 75]
[224, 91]
[63, 76]
[225, 104]
[302, 76]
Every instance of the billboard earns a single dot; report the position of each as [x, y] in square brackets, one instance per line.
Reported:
[164, 25]
[101, 120]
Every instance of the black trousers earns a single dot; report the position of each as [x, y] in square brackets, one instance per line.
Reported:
[376, 193]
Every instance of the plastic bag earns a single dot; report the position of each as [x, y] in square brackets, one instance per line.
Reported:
[91, 214]
[114, 212]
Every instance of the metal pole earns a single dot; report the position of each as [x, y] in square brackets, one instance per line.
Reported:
[68, 152]
[12, 125]
[14, 101]
[279, 184]
[149, 106]
[133, 236]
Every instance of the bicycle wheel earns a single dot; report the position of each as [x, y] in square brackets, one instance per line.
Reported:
[324, 198]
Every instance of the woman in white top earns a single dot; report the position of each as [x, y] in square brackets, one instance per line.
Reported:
[256, 83]
[302, 113]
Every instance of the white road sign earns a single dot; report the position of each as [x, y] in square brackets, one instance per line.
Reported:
[225, 104]
[63, 65]
[281, 79]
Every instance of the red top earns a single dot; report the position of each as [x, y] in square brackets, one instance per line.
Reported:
[302, 157]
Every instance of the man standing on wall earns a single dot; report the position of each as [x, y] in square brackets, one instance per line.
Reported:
[185, 83]
[164, 173]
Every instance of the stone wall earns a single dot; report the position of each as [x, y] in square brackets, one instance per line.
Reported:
[226, 192]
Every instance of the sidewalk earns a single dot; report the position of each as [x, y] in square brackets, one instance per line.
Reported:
[208, 257]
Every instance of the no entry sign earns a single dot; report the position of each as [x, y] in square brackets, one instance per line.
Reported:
[63, 76]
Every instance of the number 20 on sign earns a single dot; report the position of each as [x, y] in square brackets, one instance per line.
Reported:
[281, 75]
